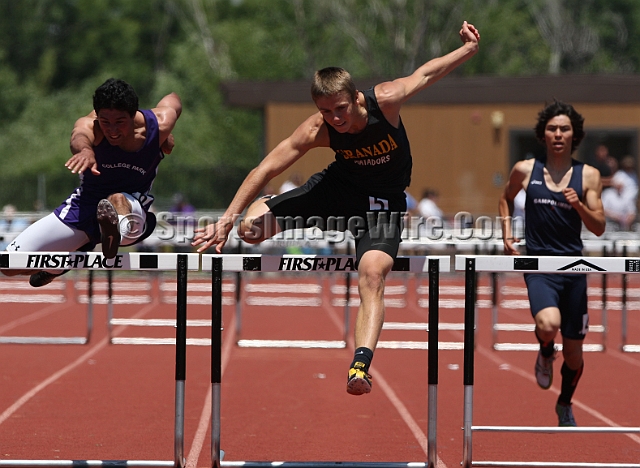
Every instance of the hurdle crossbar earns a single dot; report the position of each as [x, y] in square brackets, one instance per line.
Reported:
[217, 264]
[471, 264]
[180, 263]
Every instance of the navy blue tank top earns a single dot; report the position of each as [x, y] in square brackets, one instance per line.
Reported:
[553, 226]
[377, 160]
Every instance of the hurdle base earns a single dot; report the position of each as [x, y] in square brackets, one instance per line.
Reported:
[304, 344]
[508, 464]
[631, 349]
[75, 340]
[85, 463]
[327, 464]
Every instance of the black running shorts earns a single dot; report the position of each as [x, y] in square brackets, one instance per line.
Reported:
[330, 205]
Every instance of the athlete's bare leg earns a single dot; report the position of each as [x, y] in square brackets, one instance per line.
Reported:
[547, 323]
[258, 224]
[373, 268]
[120, 203]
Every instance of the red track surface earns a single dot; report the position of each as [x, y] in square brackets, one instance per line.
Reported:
[116, 402]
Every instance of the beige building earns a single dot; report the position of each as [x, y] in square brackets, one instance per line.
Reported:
[466, 133]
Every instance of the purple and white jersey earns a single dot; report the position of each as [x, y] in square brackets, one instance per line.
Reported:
[120, 172]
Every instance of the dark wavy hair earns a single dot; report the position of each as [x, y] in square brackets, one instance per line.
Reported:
[116, 94]
[560, 108]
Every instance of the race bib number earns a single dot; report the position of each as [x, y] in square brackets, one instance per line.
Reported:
[377, 204]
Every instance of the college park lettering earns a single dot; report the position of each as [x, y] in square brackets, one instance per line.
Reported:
[124, 166]
[383, 147]
[72, 261]
[317, 264]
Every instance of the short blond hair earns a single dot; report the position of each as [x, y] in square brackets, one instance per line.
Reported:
[331, 81]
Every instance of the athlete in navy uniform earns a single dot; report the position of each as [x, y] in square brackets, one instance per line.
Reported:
[562, 195]
[116, 150]
[363, 188]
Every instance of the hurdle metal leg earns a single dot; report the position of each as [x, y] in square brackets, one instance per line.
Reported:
[216, 360]
[432, 364]
[470, 287]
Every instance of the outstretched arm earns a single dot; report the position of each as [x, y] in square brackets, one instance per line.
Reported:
[310, 134]
[392, 94]
[82, 138]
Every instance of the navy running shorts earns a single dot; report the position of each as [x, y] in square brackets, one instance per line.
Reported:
[567, 292]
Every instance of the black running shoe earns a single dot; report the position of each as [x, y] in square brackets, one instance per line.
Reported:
[42, 278]
[108, 220]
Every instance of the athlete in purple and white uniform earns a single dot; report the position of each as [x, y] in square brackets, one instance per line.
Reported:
[116, 150]
[562, 195]
[371, 171]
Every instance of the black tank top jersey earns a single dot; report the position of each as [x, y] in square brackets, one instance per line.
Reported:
[376, 160]
[553, 226]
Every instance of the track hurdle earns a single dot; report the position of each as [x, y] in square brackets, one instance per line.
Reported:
[472, 264]
[180, 263]
[330, 263]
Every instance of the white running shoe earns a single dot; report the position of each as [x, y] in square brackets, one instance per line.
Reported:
[544, 370]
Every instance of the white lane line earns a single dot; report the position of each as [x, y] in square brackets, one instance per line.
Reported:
[404, 413]
[32, 317]
[65, 370]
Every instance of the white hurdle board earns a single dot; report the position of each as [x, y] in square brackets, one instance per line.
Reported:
[316, 263]
[95, 261]
[526, 264]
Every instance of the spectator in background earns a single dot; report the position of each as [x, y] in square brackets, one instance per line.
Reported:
[620, 201]
[606, 164]
[10, 225]
[9, 222]
[181, 205]
[294, 181]
[412, 205]
[428, 206]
